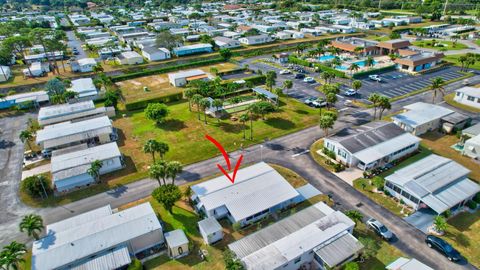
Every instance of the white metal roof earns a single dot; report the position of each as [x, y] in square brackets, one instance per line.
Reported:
[193, 47]
[80, 219]
[420, 113]
[407, 264]
[84, 87]
[64, 109]
[176, 238]
[210, 225]
[185, 74]
[256, 188]
[86, 61]
[111, 259]
[87, 128]
[64, 247]
[285, 240]
[439, 182]
[338, 249]
[386, 148]
[78, 162]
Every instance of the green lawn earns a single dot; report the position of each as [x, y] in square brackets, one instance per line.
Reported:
[463, 233]
[454, 59]
[378, 37]
[448, 45]
[185, 134]
[477, 42]
[386, 253]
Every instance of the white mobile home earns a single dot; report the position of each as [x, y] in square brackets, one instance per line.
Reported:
[5, 73]
[85, 88]
[433, 182]
[75, 111]
[372, 145]
[258, 191]
[97, 130]
[129, 58]
[98, 239]
[317, 237]
[469, 96]
[156, 54]
[421, 117]
[255, 40]
[70, 170]
[224, 42]
[83, 65]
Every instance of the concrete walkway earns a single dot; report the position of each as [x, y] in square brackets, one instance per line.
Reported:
[37, 170]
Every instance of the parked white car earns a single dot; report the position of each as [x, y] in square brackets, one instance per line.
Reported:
[309, 80]
[375, 77]
[285, 71]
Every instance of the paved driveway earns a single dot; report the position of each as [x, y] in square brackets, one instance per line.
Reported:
[11, 159]
[421, 219]
[74, 42]
[396, 83]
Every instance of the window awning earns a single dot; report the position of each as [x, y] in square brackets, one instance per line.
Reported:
[198, 77]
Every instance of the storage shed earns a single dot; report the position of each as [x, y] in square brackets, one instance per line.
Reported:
[210, 230]
[177, 243]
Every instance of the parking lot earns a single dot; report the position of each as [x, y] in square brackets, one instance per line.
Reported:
[396, 83]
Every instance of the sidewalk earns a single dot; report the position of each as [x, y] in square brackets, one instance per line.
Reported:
[37, 170]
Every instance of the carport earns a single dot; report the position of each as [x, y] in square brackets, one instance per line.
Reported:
[422, 219]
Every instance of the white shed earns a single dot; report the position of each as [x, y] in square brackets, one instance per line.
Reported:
[210, 230]
[155, 54]
[177, 243]
[129, 58]
[5, 73]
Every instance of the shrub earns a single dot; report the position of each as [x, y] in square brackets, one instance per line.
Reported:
[447, 214]
[35, 185]
[472, 205]
[351, 266]
[338, 167]
[329, 153]
[476, 198]
[386, 192]
[135, 265]
[378, 182]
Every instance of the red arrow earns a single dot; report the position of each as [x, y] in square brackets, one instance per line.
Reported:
[227, 160]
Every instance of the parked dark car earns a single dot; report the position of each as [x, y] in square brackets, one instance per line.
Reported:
[299, 76]
[443, 247]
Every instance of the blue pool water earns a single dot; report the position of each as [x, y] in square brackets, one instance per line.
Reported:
[325, 58]
[359, 63]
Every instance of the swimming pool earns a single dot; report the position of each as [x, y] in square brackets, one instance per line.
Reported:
[359, 63]
[325, 58]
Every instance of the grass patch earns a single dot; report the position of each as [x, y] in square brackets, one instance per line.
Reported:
[447, 45]
[378, 37]
[463, 233]
[422, 153]
[449, 99]
[386, 253]
[186, 134]
[363, 185]
[322, 161]
[440, 144]
[454, 59]
[292, 177]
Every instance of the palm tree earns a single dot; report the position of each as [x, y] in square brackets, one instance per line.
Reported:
[162, 148]
[437, 87]
[158, 171]
[244, 118]
[252, 112]
[440, 223]
[462, 59]
[150, 147]
[336, 62]
[354, 67]
[25, 136]
[356, 85]
[196, 100]
[369, 61]
[32, 224]
[375, 99]
[217, 104]
[384, 104]
[189, 93]
[287, 84]
[354, 215]
[326, 122]
[12, 255]
[173, 169]
[204, 103]
[326, 76]
[94, 170]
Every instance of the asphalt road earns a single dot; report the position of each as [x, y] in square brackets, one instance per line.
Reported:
[74, 42]
[11, 159]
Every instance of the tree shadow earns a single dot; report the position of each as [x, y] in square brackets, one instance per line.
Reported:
[464, 221]
[4, 144]
[301, 111]
[232, 128]
[172, 125]
[121, 138]
[280, 123]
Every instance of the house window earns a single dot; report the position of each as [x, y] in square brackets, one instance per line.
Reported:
[478, 100]
[297, 260]
[470, 98]
[458, 94]
[180, 250]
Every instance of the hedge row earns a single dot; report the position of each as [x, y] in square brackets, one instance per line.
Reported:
[323, 68]
[373, 71]
[165, 69]
[140, 104]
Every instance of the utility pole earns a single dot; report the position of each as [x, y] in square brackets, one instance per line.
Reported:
[379, 4]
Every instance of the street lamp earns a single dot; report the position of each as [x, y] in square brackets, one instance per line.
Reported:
[261, 152]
